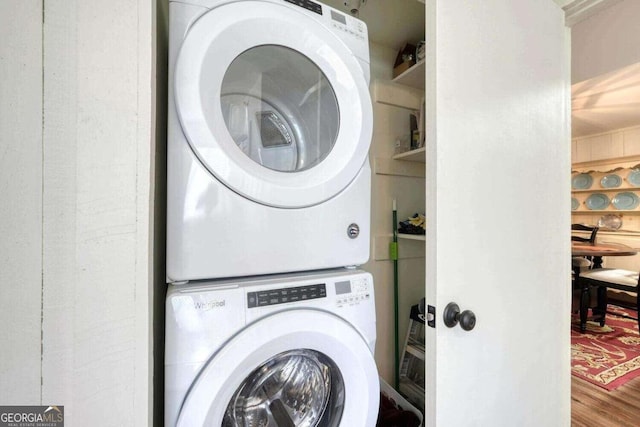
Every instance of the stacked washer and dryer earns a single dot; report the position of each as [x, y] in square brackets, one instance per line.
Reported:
[268, 320]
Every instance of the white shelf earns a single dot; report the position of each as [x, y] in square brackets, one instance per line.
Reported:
[610, 161]
[613, 211]
[387, 166]
[415, 351]
[605, 190]
[413, 77]
[417, 155]
[420, 237]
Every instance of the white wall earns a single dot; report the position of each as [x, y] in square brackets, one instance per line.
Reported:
[390, 123]
[77, 268]
[21, 207]
[606, 41]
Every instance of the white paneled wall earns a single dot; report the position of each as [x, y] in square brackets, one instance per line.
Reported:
[76, 253]
[610, 145]
[21, 206]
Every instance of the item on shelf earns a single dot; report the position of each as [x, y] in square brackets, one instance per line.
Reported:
[582, 181]
[633, 177]
[414, 131]
[421, 124]
[402, 145]
[405, 59]
[575, 204]
[597, 202]
[611, 221]
[625, 201]
[611, 181]
[413, 225]
[420, 51]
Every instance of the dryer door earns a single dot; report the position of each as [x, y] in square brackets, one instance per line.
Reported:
[295, 368]
[273, 103]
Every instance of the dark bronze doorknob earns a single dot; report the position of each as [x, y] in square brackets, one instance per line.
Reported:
[453, 316]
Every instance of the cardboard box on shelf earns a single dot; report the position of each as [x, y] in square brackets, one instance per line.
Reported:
[404, 60]
[404, 66]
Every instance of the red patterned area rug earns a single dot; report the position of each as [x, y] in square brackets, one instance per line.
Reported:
[607, 356]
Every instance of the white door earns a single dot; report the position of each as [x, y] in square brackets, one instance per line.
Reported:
[498, 165]
[273, 103]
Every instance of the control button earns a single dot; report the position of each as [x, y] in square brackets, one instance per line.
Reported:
[252, 300]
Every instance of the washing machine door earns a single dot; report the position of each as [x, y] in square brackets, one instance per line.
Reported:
[273, 103]
[302, 368]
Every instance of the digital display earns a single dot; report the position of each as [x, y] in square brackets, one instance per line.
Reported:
[338, 17]
[343, 288]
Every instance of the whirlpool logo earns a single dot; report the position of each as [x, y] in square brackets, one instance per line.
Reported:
[32, 416]
[209, 305]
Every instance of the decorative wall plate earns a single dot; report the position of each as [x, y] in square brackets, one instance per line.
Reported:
[611, 221]
[575, 204]
[625, 201]
[634, 177]
[597, 202]
[582, 181]
[611, 181]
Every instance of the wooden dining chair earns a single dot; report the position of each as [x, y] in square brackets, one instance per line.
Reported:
[583, 227]
[603, 279]
[578, 265]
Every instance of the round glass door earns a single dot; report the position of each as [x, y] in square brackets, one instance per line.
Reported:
[273, 104]
[279, 108]
[301, 388]
[294, 368]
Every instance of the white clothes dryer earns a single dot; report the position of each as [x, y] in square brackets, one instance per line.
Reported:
[287, 350]
[269, 127]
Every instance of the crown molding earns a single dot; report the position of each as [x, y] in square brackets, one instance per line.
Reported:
[578, 10]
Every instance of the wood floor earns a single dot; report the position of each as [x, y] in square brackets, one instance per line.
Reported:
[592, 406]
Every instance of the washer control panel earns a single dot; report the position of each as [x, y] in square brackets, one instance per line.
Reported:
[348, 25]
[351, 292]
[339, 21]
[285, 295]
[307, 4]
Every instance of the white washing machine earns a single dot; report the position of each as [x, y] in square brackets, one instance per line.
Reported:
[287, 350]
[270, 122]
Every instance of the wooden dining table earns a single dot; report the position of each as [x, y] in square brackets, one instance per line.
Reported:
[595, 251]
[598, 250]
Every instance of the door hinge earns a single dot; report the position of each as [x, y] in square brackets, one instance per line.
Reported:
[431, 316]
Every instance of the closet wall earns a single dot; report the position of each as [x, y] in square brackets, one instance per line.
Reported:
[21, 207]
[390, 123]
[77, 136]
